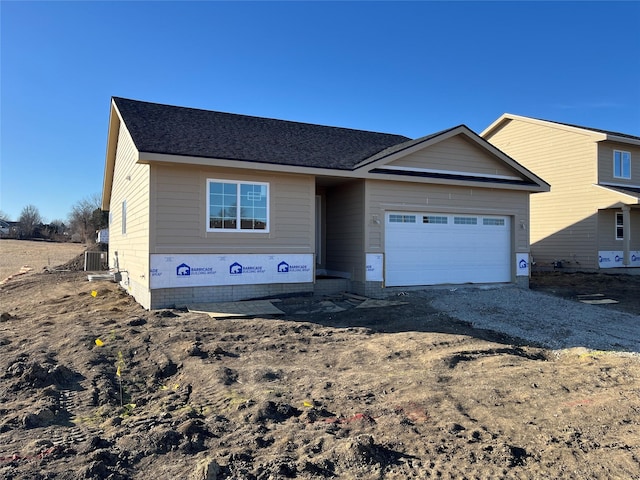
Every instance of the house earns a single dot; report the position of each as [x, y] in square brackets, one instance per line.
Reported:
[209, 206]
[591, 217]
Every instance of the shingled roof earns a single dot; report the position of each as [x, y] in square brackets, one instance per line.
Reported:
[166, 129]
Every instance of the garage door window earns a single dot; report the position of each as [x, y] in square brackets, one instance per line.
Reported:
[496, 222]
[402, 218]
[435, 219]
[465, 220]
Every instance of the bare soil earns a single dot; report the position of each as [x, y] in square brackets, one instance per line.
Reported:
[95, 387]
[34, 255]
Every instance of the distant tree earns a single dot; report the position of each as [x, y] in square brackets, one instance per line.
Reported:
[30, 221]
[55, 230]
[100, 219]
[86, 217]
[4, 216]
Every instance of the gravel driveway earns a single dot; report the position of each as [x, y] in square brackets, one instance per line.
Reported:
[537, 317]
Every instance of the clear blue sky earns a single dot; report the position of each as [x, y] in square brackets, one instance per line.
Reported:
[408, 68]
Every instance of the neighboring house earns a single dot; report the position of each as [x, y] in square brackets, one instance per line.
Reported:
[5, 228]
[591, 217]
[103, 235]
[209, 206]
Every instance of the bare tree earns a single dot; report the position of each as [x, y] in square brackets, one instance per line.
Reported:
[86, 217]
[29, 220]
[4, 216]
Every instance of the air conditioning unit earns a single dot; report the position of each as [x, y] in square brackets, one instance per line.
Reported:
[95, 261]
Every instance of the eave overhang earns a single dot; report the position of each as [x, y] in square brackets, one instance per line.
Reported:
[364, 172]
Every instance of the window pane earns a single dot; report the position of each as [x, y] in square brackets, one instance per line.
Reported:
[222, 205]
[619, 226]
[434, 219]
[402, 219]
[626, 165]
[621, 164]
[497, 222]
[215, 187]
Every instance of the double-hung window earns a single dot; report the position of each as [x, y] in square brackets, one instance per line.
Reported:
[235, 206]
[619, 226]
[621, 164]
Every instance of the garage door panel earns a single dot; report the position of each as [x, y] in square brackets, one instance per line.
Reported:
[420, 253]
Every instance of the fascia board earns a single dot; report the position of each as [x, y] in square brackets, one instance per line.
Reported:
[470, 135]
[156, 158]
[611, 190]
[115, 124]
[617, 139]
[110, 156]
[152, 158]
[409, 150]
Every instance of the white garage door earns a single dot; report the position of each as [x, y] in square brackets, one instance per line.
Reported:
[438, 248]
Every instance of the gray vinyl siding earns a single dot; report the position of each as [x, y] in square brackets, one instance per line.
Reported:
[605, 162]
[130, 183]
[606, 230]
[456, 154]
[345, 229]
[382, 197]
[180, 209]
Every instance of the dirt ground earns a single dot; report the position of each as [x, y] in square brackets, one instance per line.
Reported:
[34, 255]
[95, 387]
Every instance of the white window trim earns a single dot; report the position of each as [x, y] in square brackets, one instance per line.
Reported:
[621, 152]
[237, 229]
[619, 215]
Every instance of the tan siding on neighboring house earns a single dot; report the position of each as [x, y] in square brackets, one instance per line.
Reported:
[345, 229]
[605, 161]
[130, 183]
[181, 210]
[456, 154]
[382, 197]
[563, 222]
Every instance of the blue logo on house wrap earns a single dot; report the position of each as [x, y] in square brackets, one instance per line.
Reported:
[283, 267]
[183, 270]
[235, 269]
[522, 264]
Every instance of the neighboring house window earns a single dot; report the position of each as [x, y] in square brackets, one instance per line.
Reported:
[621, 164]
[237, 206]
[619, 226]
[124, 217]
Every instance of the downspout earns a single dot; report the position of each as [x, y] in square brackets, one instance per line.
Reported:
[626, 235]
